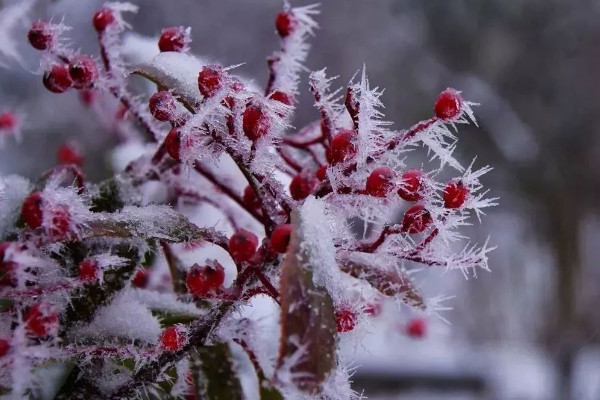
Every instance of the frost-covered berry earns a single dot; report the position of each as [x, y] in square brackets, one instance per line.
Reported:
[416, 219]
[4, 347]
[416, 328]
[173, 338]
[448, 104]
[302, 186]
[140, 279]
[8, 121]
[83, 71]
[60, 222]
[68, 154]
[41, 320]
[321, 173]
[88, 271]
[163, 105]
[210, 80]
[345, 320]
[174, 38]
[31, 210]
[342, 147]
[202, 280]
[250, 199]
[381, 182]
[280, 238]
[242, 245]
[285, 23]
[455, 194]
[373, 308]
[173, 143]
[255, 123]
[102, 19]
[58, 79]
[411, 185]
[41, 35]
[282, 97]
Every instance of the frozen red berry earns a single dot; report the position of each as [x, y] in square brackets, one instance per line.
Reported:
[282, 97]
[163, 105]
[321, 173]
[416, 219]
[140, 279]
[41, 35]
[280, 238]
[210, 80]
[173, 143]
[448, 104]
[4, 347]
[255, 123]
[411, 185]
[455, 194]
[68, 154]
[302, 186]
[373, 308]
[173, 338]
[342, 147]
[203, 280]
[83, 71]
[102, 19]
[250, 199]
[8, 121]
[88, 271]
[174, 38]
[345, 320]
[381, 182]
[41, 320]
[285, 23]
[416, 328]
[60, 222]
[242, 245]
[31, 211]
[57, 79]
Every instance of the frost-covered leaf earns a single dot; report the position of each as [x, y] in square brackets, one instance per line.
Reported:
[218, 379]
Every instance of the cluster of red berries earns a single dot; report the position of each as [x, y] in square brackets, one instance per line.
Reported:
[36, 210]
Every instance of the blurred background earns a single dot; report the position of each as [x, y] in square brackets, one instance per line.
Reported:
[530, 329]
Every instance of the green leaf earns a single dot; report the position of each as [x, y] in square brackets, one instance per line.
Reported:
[219, 379]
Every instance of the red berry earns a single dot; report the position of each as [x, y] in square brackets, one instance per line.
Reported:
[68, 154]
[210, 80]
[373, 308]
[31, 211]
[173, 143]
[173, 39]
[173, 338]
[203, 280]
[140, 279]
[242, 245]
[60, 222]
[345, 320]
[285, 23]
[8, 120]
[416, 328]
[83, 71]
[41, 35]
[280, 238]
[416, 219]
[102, 19]
[41, 320]
[88, 271]
[455, 194]
[381, 181]
[302, 186]
[411, 185]
[282, 97]
[250, 199]
[255, 123]
[4, 347]
[163, 105]
[58, 79]
[448, 104]
[342, 147]
[321, 173]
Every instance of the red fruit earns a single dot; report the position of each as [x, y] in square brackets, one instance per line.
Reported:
[416, 328]
[102, 19]
[345, 320]
[242, 245]
[41, 35]
[302, 186]
[285, 23]
[163, 105]
[411, 185]
[255, 123]
[68, 154]
[83, 71]
[61, 222]
[342, 147]
[173, 338]
[8, 120]
[210, 80]
[250, 199]
[455, 194]
[173, 39]
[448, 104]
[373, 309]
[41, 320]
[58, 79]
[282, 98]
[321, 173]
[173, 143]
[416, 219]
[280, 238]
[4, 347]
[381, 182]
[140, 279]
[202, 280]
[88, 271]
[31, 211]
